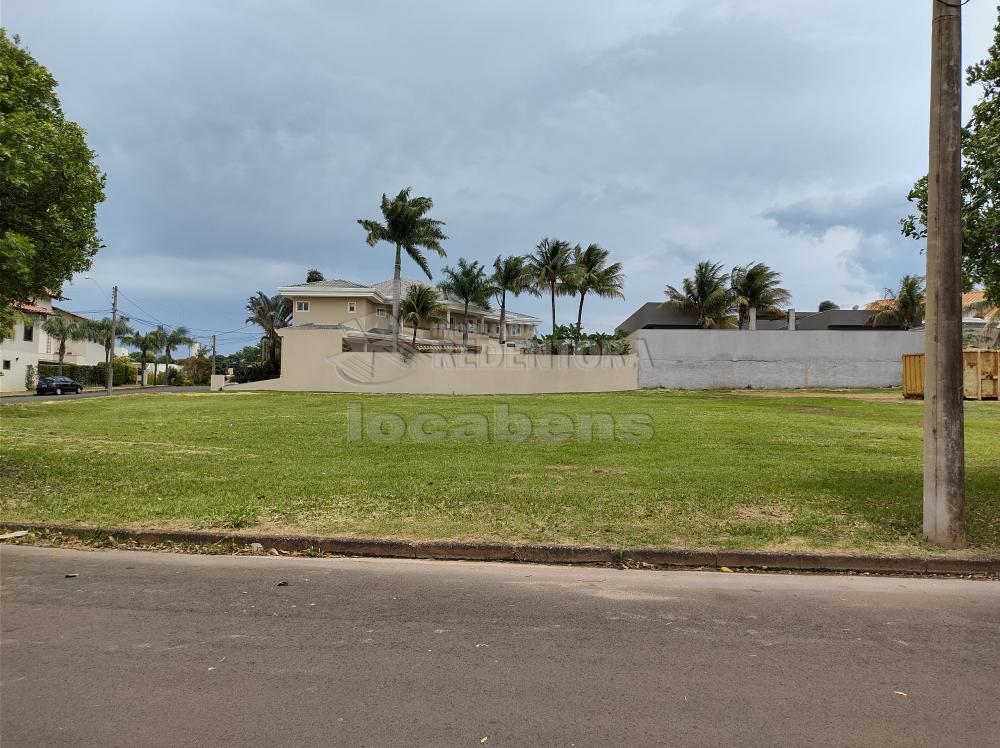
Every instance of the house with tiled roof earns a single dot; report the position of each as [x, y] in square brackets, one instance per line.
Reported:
[30, 345]
[363, 313]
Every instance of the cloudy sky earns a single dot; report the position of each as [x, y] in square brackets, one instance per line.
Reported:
[243, 140]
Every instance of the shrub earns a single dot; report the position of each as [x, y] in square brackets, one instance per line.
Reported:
[30, 379]
[123, 373]
[197, 369]
[255, 372]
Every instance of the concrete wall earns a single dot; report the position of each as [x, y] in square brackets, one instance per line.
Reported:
[313, 360]
[710, 359]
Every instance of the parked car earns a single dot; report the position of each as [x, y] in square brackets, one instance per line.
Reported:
[57, 386]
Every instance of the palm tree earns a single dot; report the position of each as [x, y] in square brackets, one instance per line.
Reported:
[551, 268]
[905, 306]
[469, 284]
[826, 306]
[270, 313]
[755, 288]
[705, 296]
[158, 342]
[175, 338]
[989, 311]
[510, 275]
[421, 307]
[99, 331]
[408, 227]
[61, 329]
[591, 274]
[145, 343]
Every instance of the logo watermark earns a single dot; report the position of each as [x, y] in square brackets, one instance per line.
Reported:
[503, 425]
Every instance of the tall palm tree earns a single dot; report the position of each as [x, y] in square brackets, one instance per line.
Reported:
[99, 331]
[421, 307]
[592, 274]
[145, 343]
[61, 329]
[158, 342]
[705, 296]
[904, 306]
[408, 227]
[270, 314]
[551, 268]
[469, 284]
[510, 275]
[755, 288]
[175, 338]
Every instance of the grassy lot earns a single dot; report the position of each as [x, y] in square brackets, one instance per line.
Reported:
[783, 470]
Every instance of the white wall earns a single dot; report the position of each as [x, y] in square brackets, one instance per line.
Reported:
[733, 359]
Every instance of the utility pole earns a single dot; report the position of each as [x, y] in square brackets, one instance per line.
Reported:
[111, 356]
[213, 359]
[944, 437]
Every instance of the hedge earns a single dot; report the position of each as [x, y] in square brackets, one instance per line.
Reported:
[96, 376]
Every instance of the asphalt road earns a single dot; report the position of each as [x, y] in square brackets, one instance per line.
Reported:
[160, 649]
[11, 399]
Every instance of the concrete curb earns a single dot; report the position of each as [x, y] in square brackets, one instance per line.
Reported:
[542, 554]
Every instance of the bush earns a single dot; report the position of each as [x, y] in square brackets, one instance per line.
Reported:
[29, 377]
[197, 369]
[94, 376]
[255, 372]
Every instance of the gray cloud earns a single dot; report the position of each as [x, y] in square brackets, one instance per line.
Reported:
[242, 145]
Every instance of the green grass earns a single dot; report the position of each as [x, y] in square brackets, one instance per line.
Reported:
[728, 470]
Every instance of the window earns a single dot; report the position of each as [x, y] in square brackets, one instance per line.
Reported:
[301, 306]
[6, 364]
[515, 330]
[352, 306]
[380, 312]
[29, 332]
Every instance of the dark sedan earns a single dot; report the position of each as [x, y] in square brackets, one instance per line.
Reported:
[57, 386]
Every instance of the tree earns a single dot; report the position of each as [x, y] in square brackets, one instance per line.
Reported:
[591, 274]
[469, 284]
[174, 339]
[158, 342]
[904, 306]
[99, 331]
[408, 227]
[826, 306]
[550, 268]
[980, 181]
[270, 314]
[422, 307]
[705, 296]
[144, 343]
[314, 276]
[755, 286]
[49, 185]
[61, 329]
[510, 275]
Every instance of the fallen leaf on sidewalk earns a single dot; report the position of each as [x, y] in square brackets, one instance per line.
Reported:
[282, 583]
[70, 576]
[900, 693]
[725, 568]
[15, 534]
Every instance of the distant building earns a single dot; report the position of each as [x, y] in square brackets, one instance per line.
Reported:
[659, 315]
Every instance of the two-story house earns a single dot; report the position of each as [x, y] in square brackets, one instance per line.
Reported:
[364, 314]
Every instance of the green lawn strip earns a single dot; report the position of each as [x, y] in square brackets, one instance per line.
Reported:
[721, 469]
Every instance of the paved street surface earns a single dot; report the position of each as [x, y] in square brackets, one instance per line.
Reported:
[11, 399]
[160, 649]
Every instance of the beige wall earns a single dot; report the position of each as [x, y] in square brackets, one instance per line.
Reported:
[312, 360]
[333, 311]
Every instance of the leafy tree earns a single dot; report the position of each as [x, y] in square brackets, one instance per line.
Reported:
[755, 286]
[144, 343]
[551, 268]
[591, 274]
[408, 227]
[49, 185]
[270, 314]
[174, 339]
[905, 306]
[159, 342]
[314, 276]
[705, 296]
[422, 307]
[826, 306]
[99, 331]
[469, 284]
[510, 275]
[61, 329]
[980, 182]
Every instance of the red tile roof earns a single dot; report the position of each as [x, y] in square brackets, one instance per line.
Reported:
[30, 308]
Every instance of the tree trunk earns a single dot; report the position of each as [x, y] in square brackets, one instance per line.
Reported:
[414, 334]
[156, 371]
[555, 345]
[503, 319]
[397, 290]
[62, 355]
[579, 316]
